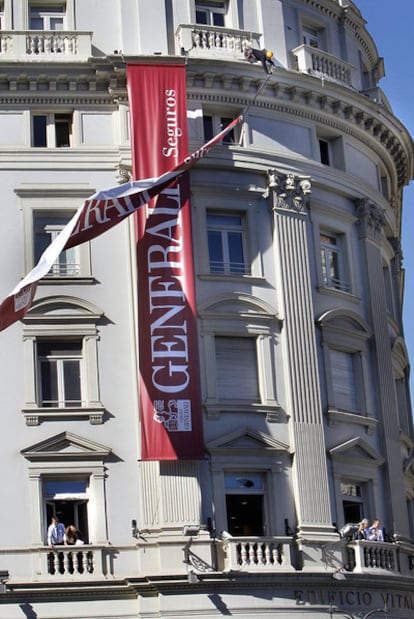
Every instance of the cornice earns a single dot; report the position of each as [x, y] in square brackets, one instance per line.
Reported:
[335, 107]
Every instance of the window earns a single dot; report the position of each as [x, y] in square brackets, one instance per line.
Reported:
[347, 368]
[53, 130]
[60, 342]
[324, 152]
[210, 13]
[46, 227]
[240, 346]
[226, 242]
[68, 500]
[343, 380]
[352, 501]
[389, 297]
[312, 36]
[47, 208]
[212, 125]
[403, 398]
[50, 17]
[59, 374]
[332, 261]
[245, 504]
[236, 368]
[67, 479]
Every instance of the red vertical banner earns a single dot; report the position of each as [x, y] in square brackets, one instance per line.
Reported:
[170, 401]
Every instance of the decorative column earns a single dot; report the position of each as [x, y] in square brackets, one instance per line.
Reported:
[288, 194]
[371, 222]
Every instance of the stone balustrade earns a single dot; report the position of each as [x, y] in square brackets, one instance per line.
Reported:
[202, 556]
[363, 556]
[39, 45]
[316, 62]
[255, 554]
[214, 41]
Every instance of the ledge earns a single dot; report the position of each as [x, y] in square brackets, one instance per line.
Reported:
[336, 416]
[273, 412]
[35, 416]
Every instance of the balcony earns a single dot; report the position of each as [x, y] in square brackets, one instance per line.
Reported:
[157, 555]
[364, 557]
[255, 554]
[200, 41]
[50, 46]
[316, 62]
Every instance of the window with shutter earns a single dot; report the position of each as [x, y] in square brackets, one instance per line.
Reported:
[236, 368]
[343, 379]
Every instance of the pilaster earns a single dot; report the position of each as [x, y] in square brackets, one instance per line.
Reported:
[371, 220]
[288, 194]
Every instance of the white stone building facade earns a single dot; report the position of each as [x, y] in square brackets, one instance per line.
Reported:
[299, 277]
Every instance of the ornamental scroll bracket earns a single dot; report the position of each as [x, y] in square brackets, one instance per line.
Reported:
[287, 191]
[371, 219]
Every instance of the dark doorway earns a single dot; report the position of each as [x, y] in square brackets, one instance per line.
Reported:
[245, 515]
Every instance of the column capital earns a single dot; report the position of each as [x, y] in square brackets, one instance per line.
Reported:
[371, 219]
[288, 191]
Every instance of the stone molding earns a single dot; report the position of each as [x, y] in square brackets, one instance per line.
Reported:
[371, 220]
[287, 191]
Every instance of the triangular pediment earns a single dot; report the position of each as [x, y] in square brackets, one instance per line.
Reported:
[356, 449]
[246, 439]
[66, 446]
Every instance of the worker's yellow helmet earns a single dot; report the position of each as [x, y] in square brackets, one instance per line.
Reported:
[269, 54]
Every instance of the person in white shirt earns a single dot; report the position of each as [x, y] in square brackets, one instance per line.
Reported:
[375, 534]
[56, 534]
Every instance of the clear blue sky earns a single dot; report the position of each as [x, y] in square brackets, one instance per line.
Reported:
[391, 26]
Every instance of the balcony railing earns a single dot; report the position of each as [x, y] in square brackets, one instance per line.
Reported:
[214, 41]
[255, 554]
[363, 556]
[250, 555]
[37, 45]
[316, 62]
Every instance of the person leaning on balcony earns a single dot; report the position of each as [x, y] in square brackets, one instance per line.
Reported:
[264, 56]
[56, 534]
[375, 533]
[73, 536]
[362, 532]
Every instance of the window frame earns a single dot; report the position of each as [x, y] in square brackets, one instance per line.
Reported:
[243, 205]
[360, 500]
[68, 12]
[341, 281]
[47, 12]
[59, 200]
[68, 263]
[225, 231]
[346, 331]
[242, 316]
[213, 123]
[363, 470]
[55, 365]
[44, 322]
[84, 459]
[53, 122]
[246, 452]
[210, 9]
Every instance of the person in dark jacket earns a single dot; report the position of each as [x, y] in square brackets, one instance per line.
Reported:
[264, 56]
[362, 532]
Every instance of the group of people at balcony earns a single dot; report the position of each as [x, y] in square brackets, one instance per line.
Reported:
[373, 533]
[59, 535]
